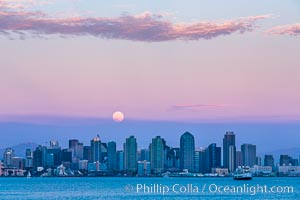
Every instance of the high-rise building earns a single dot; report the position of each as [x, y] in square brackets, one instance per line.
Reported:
[197, 161]
[130, 155]
[269, 161]
[258, 160]
[8, 154]
[96, 149]
[172, 161]
[214, 156]
[112, 156]
[203, 159]
[239, 159]
[187, 152]
[145, 155]
[157, 155]
[229, 151]
[28, 159]
[120, 160]
[285, 160]
[249, 154]
[87, 153]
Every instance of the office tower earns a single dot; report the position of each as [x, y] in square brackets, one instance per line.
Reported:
[214, 156]
[87, 153]
[96, 149]
[52, 155]
[269, 161]
[249, 154]
[157, 155]
[203, 159]
[104, 152]
[229, 151]
[112, 156]
[239, 159]
[66, 155]
[145, 155]
[285, 160]
[187, 152]
[17, 162]
[258, 160]
[38, 157]
[144, 168]
[77, 150]
[197, 160]
[130, 155]
[8, 154]
[120, 160]
[54, 144]
[231, 158]
[172, 161]
[28, 159]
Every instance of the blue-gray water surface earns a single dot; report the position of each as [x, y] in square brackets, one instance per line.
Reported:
[149, 188]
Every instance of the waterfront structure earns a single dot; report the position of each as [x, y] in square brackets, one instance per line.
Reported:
[157, 155]
[187, 152]
[229, 151]
[130, 155]
[112, 156]
[248, 154]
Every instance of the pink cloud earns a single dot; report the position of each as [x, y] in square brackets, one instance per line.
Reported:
[146, 27]
[293, 29]
[195, 106]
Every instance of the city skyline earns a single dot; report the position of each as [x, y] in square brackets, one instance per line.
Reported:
[102, 158]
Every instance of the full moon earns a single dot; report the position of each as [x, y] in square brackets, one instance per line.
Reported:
[118, 116]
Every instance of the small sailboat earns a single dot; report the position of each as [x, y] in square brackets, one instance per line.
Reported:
[28, 175]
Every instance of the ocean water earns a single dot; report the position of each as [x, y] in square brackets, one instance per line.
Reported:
[149, 188]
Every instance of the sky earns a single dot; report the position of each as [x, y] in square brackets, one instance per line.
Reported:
[207, 62]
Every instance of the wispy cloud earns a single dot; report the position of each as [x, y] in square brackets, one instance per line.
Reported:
[292, 29]
[195, 106]
[146, 27]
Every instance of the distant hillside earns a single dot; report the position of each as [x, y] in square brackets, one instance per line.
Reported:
[293, 152]
[20, 149]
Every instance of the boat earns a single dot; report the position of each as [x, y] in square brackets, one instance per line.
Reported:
[242, 173]
[28, 175]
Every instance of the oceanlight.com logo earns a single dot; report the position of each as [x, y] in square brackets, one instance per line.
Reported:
[161, 189]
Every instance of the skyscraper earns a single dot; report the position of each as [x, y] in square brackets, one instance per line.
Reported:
[229, 151]
[249, 154]
[130, 155]
[8, 154]
[96, 149]
[145, 155]
[112, 156]
[120, 160]
[157, 155]
[269, 160]
[187, 152]
[214, 156]
[239, 159]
